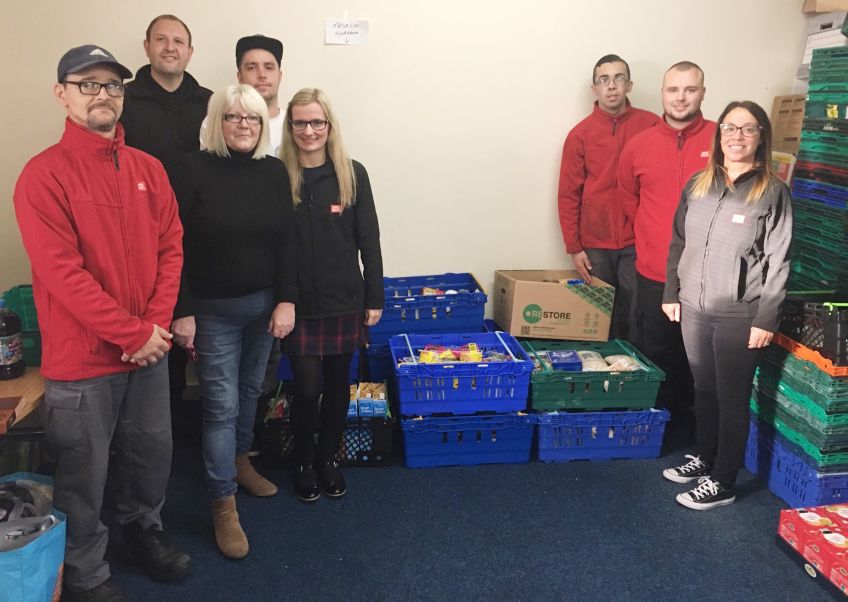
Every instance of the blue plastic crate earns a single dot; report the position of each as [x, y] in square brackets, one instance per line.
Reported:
[461, 387]
[408, 311]
[465, 440]
[787, 475]
[833, 196]
[379, 363]
[565, 436]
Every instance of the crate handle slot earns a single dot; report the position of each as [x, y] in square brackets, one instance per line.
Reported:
[508, 350]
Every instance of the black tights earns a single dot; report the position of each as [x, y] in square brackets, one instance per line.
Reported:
[314, 375]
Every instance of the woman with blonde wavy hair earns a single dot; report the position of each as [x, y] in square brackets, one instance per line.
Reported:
[336, 225]
[728, 264]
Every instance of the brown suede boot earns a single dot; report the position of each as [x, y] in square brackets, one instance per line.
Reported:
[253, 482]
[229, 535]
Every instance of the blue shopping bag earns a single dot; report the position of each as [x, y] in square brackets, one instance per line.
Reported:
[33, 573]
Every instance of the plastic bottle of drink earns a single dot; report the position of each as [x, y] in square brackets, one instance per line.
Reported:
[11, 344]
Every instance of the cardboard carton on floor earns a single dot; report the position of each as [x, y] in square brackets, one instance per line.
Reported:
[541, 304]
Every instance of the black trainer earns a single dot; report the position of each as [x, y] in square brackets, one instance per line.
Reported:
[306, 483]
[708, 494]
[154, 554]
[693, 470]
[105, 592]
[331, 479]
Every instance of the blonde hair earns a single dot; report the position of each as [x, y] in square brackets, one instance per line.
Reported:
[222, 102]
[335, 148]
[703, 180]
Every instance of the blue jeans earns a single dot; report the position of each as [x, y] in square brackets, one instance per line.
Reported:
[233, 345]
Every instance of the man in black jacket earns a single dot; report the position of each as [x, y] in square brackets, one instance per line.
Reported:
[164, 106]
[163, 109]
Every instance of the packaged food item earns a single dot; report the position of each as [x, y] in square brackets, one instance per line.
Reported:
[622, 363]
[432, 291]
[596, 365]
[565, 360]
[470, 353]
[588, 354]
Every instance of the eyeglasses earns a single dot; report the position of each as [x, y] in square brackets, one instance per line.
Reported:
[317, 124]
[236, 118]
[93, 88]
[618, 80]
[748, 130]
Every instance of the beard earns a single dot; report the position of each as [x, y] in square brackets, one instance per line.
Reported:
[99, 121]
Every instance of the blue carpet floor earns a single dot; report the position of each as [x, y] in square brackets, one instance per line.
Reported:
[573, 531]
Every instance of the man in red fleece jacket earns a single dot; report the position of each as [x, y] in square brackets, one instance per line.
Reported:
[596, 232]
[100, 225]
[652, 171]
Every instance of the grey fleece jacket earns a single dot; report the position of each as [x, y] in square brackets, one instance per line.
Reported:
[728, 257]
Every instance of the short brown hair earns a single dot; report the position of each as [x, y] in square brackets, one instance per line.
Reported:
[167, 18]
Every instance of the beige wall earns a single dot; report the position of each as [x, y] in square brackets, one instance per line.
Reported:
[457, 108]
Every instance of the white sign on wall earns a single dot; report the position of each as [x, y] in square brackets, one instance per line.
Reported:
[346, 32]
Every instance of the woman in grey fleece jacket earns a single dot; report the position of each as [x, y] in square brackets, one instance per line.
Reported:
[728, 264]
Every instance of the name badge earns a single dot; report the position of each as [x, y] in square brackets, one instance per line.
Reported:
[335, 208]
[738, 219]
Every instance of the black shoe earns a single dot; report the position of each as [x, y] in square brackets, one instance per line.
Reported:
[331, 479]
[151, 550]
[708, 494]
[306, 483]
[105, 592]
[693, 470]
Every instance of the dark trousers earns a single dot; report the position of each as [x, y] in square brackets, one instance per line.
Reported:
[723, 368]
[325, 378]
[660, 339]
[129, 413]
[618, 268]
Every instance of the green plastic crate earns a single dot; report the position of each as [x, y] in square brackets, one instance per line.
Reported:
[32, 347]
[20, 300]
[825, 125]
[563, 390]
[826, 105]
[772, 410]
[821, 458]
[829, 54]
[826, 391]
[802, 407]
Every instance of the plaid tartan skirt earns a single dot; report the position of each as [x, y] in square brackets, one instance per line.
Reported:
[325, 336]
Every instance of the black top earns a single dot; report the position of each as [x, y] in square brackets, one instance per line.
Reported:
[239, 229]
[161, 123]
[330, 244]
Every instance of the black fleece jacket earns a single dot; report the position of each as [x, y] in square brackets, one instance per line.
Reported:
[239, 229]
[161, 123]
[330, 244]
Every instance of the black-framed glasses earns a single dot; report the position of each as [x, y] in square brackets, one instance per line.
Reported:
[236, 118]
[748, 130]
[316, 124]
[618, 80]
[93, 88]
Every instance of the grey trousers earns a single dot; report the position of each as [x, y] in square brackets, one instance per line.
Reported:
[129, 414]
[618, 268]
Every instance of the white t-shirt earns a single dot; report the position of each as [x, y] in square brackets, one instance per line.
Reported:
[275, 134]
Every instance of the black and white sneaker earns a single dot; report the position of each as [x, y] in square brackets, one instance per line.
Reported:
[693, 470]
[708, 494]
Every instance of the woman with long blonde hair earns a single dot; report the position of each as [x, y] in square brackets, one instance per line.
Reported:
[336, 225]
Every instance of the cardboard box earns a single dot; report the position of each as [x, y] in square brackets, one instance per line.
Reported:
[824, 6]
[540, 304]
[787, 120]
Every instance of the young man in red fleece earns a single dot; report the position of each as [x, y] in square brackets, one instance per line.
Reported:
[652, 171]
[594, 228]
[100, 225]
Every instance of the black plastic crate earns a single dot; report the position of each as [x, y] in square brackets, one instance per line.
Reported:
[819, 325]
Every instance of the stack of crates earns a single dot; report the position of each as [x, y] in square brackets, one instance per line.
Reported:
[463, 411]
[595, 415]
[798, 443]
[19, 299]
[820, 182]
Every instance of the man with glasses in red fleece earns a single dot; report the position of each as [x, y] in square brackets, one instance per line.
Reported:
[100, 225]
[594, 228]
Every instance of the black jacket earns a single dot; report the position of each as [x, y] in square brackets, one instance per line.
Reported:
[164, 124]
[330, 244]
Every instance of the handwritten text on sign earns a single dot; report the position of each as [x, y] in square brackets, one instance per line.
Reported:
[339, 31]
